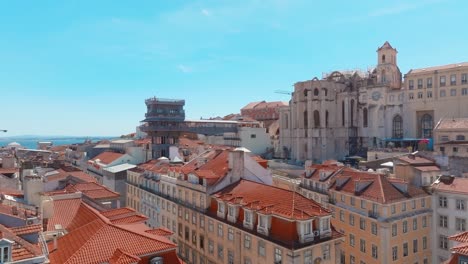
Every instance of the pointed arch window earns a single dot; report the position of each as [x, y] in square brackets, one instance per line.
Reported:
[326, 118]
[426, 126]
[364, 118]
[316, 92]
[306, 117]
[397, 127]
[383, 58]
[316, 119]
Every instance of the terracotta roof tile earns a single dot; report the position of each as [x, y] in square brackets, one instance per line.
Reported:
[107, 157]
[416, 160]
[28, 229]
[23, 249]
[271, 200]
[427, 168]
[121, 257]
[461, 237]
[93, 190]
[458, 185]
[461, 249]
[161, 231]
[64, 212]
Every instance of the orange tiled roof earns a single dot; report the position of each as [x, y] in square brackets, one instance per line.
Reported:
[22, 249]
[124, 215]
[416, 160]
[121, 257]
[461, 249]
[457, 185]
[107, 157]
[92, 238]
[93, 190]
[64, 212]
[215, 169]
[28, 229]
[461, 237]
[267, 199]
[160, 231]
[378, 187]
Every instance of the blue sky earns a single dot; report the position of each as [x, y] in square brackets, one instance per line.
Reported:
[85, 67]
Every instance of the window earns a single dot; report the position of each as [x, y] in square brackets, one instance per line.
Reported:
[426, 126]
[220, 230]
[411, 85]
[442, 201]
[308, 256]
[230, 257]
[342, 113]
[202, 242]
[316, 119]
[364, 117]
[460, 137]
[415, 223]
[464, 91]
[351, 240]
[187, 233]
[405, 249]
[261, 248]
[424, 221]
[352, 201]
[405, 226]
[375, 252]
[463, 78]
[429, 94]
[194, 237]
[460, 204]
[362, 245]
[341, 216]
[253, 136]
[403, 207]
[394, 230]
[429, 82]
[453, 79]
[394, 253]
[278, 256]
[6, 254]
[351, 219]
[247, 260]
[443, 222]
[363, 204]
[424, 242]
[202, 221]
[442, 81]
[230, 234]
[442, 93]
[194, 218]
[393, 208]
[420, 83]
[316, 92]
[397, 130]
[210, 246]
[455, 149]
[247, 241]
[326, 118]
[374, 228]
[411, 96]
[460, 224]
[262, 221]
[362, 223]
[423, 203]
[443, 242]
[306, 119]
[352, 259]
[220, 251]
[420, 95]
[210, 225]
[453, 92]
[415, 246]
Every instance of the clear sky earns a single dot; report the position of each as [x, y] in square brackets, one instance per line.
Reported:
[85, 67]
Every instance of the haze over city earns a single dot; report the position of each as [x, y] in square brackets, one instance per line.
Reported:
[86, 67]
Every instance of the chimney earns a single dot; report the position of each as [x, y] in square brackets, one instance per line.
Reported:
[55, 242]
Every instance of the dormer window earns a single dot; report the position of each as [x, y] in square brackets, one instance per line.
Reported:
[232, 213]
[324, 225]
[263, 224]
[248, 217]
[221, 209]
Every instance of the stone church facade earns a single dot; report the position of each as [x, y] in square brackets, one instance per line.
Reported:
[347, 112]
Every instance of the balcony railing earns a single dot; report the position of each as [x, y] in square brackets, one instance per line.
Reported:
[373, 214]
[164, 100]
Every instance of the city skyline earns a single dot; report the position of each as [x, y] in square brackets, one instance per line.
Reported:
[86, 69]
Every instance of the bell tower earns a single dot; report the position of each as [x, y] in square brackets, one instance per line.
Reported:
[388, 73]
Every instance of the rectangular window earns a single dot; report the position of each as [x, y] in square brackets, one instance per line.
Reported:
[420, 83]
[220, 230]
[403, 206]
[363, 204]
[220, 251]
[443, 222]
[420, 95]
[362, 245]
[442, 93]
[351, 219]
[362, 223]
[351, 240]
[455, 149]
[261, 248]
[424, 221]
[394, 230]
[247, 241]
[460, 204]
[413, 204]
[405, 249]
[411, 85]
[352, 259]
[394, 253]
[230, 257]
[308, 256]
[442, 81]
[453, 92]
[352, 201]
[374, 228]
[341, 215]
[453, 79]
[429, 82]
[443, 242]
[375, 252]
[460, 224]
[423, 202]
[230, 234]
[415, 246]
[415, 223]
[424, 242]
[194, 237]
[210, 225]
[405, 227]
[278, 256]
[411, 96]
[442, 201]
[202, 242]
[464, 78]
[464, 91]
[211, 246]
[429, 94]
[393, 209]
